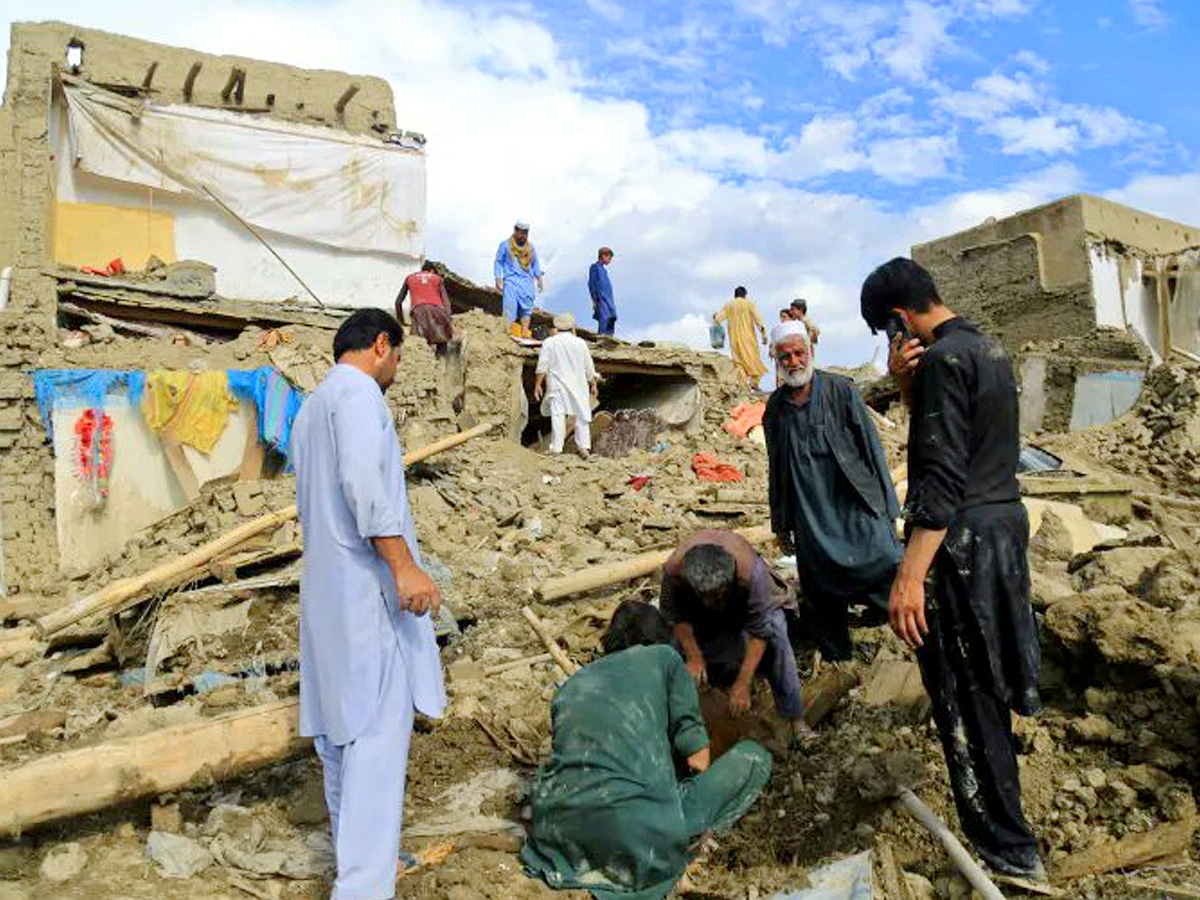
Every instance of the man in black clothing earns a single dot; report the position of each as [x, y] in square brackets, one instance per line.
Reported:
[975, 636]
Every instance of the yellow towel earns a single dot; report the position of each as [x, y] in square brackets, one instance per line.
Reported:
[190, 408]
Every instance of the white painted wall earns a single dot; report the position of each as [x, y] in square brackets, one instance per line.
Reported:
[142, 486]
[1124, 303]
[245, 269]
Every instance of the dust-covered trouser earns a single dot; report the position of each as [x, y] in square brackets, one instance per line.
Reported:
[364, 792]
[980, 660]
[558, 428]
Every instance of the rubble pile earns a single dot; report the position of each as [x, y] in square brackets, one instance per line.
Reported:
[1159, 439]
[1111, 757]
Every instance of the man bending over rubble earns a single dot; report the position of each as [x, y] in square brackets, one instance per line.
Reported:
[717, 594]
[975, 635]
[609, 815]
[831, 496]
[368, 658]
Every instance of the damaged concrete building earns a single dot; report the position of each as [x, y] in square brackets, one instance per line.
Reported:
[1085, 293]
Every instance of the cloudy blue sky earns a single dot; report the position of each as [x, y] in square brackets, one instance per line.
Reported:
[788, 145]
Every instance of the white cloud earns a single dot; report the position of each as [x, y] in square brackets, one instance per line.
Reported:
[1034, 134]
[513, 130]
[1170, 196]
[922, 35]
[1148, 13]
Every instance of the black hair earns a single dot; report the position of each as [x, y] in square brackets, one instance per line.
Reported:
[739, 291]
[709, 570]
[635, 624]
[899, 283]
[429, 266]
[359, 331]
[801, 304]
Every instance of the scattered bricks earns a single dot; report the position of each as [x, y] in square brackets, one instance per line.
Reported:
[249, 499]
[166, 817]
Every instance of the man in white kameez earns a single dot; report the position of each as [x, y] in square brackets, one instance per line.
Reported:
[566, 384]
[368, 657]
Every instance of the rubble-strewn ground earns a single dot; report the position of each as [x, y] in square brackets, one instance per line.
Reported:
[1114, 753]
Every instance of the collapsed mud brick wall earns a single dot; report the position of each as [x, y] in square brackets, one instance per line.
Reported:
[1040, 281]
[28, 327]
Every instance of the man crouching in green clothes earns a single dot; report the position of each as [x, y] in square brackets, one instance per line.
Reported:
[609, 815]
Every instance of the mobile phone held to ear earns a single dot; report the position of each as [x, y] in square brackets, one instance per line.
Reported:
[896, 330]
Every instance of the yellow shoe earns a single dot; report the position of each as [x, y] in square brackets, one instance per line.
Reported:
[515, 329]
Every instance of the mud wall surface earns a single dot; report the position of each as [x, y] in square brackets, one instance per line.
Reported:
[28, 330]
[1003, 287]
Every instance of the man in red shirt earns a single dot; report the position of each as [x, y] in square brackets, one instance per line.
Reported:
[430, 314]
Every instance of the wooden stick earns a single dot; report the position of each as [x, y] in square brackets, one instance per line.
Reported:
[92, 778]
[957, 852]
[1131, 850]
[559, 655]
[448, 443]
[126, 592]
[627, 570]
[894, 887]
[1167, 500]
[517, 663]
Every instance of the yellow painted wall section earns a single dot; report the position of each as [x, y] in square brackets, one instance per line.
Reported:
[92, 234]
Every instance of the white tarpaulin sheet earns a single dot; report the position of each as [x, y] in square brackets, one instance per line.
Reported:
[846, 879]
[333, 188]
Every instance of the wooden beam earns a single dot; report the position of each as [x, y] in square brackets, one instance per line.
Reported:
[342, 101]
[1131, 850]
[122, 594]
[189, 83]
[627, 570]
[236, 77]
[149, 79]
[91, 778]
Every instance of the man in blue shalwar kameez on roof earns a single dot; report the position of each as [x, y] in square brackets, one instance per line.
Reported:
[368, 657]
[604, 307]
[830, 493]
[516, 270]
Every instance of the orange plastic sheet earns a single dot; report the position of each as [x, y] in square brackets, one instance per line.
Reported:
[744, 417]
[708, 468]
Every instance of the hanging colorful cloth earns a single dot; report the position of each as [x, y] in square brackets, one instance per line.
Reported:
[94, 454]
[191, 408]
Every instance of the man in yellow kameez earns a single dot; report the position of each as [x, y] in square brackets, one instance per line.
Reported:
[742, 316]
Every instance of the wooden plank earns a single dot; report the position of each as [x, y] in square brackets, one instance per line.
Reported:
[26, 723]
[1130, 851]
[188, 482]
[255, 454]
[126, 592]
[626, 570]
[92, 778]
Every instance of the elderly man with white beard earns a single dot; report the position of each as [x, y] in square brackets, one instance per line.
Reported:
[831, 496]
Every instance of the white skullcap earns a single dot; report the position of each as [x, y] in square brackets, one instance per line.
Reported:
[788, 329]
[564, 322]
[521, 225]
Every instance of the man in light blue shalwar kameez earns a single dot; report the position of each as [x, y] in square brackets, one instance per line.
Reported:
[368, 657]
[516, 270]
